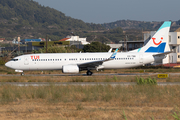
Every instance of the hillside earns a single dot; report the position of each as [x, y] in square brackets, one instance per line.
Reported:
[140, 25]
[29, 19]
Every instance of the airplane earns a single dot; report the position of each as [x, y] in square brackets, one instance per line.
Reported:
[156, 49]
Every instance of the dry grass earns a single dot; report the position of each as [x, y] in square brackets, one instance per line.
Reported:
[171, 78]
[89, 102]
[66, 79]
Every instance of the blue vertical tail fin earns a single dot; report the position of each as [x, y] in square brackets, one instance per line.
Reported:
[158, 42]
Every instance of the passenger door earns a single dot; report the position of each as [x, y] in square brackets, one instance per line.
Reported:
[26, 60]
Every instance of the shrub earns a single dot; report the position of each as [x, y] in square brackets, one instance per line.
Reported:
[2, 62]
[149, 81]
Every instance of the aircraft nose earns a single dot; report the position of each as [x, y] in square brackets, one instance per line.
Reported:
[8, 64]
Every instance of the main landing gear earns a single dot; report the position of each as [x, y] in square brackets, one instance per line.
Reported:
[89, 73]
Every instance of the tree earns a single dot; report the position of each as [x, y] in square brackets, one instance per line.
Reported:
[57, 49]
[96, 47]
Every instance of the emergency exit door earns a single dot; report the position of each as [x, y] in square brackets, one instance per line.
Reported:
[140, 58]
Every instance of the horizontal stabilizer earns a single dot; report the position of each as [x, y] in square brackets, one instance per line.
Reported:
[165, 53]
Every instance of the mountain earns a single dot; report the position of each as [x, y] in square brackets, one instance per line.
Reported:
[139, 25]
[29, 19]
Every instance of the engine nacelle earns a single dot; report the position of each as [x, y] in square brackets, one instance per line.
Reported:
[70, 69]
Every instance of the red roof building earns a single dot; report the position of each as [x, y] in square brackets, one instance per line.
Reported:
[64, 39]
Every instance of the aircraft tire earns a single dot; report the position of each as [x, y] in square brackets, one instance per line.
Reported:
[89, 73]
[22, 74]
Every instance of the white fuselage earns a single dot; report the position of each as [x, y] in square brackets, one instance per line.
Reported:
[56, 61]
[154, 50]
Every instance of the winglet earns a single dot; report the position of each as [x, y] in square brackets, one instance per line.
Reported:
[114, 54]
[110, 50]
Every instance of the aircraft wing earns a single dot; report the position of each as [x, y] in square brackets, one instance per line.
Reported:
[90, 64]
[95, 64]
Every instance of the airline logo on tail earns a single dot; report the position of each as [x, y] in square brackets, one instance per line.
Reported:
[158, 41]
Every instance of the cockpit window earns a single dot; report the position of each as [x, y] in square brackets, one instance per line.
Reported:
[14, 59]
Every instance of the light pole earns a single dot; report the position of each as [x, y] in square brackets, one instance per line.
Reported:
[26, 47]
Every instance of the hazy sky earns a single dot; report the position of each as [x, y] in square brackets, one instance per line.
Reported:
[105, 11]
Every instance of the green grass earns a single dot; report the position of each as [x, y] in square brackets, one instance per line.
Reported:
[176, 114]
[146, 81]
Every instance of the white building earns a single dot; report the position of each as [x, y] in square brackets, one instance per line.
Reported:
[75, 38]
[174, 46]
[115, 45]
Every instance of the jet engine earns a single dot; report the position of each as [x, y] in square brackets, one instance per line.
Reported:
[70, 69]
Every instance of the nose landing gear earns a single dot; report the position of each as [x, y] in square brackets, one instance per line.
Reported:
[89, 73]
[22, 74]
